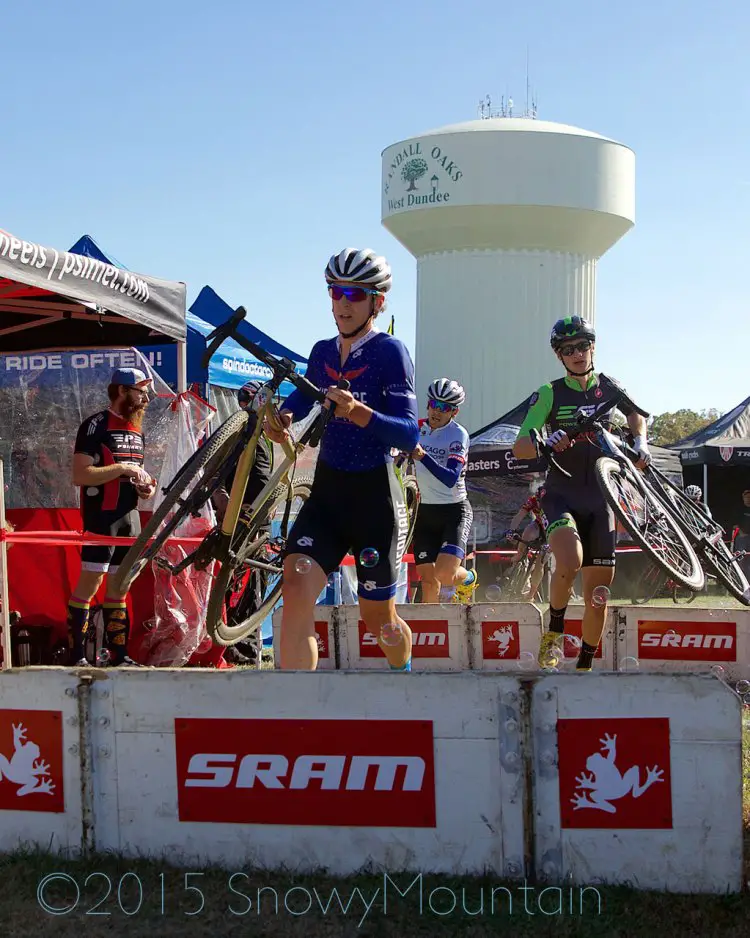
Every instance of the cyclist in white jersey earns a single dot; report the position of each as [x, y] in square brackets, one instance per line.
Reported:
[445, 517]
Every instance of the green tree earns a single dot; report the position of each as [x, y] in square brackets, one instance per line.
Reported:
[412, 171]
[668, 428]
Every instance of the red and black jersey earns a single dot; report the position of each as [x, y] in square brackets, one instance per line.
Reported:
[109, 439]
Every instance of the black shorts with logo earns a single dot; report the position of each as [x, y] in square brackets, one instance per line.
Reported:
[107, 558]
[442, 529]
[585, 508]
[359, 512]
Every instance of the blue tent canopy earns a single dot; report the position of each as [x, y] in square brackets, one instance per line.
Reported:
[210, 307]
[231, 365]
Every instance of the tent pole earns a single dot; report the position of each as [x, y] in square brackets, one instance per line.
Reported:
[705, 484]
[4, 587]
[181, 367]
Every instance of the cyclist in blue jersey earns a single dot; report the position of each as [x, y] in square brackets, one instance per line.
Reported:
[581, 532]
[356, 503]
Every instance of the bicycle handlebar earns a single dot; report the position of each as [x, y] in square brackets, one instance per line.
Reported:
[283, 368]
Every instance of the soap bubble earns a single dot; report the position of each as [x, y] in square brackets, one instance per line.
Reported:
[391, 634]
[369, 557]
[526, 661]
[743, 687]
[493, 593]
[629, 664]
[718, 671]
[103, 657]
[600, 596]
[303, 565]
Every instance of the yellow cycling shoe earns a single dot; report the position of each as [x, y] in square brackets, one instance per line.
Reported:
[464, 592]
[550, 650]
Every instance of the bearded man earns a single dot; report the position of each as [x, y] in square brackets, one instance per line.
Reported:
[108, 467]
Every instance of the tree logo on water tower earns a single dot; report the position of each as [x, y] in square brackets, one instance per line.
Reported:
[413, 170]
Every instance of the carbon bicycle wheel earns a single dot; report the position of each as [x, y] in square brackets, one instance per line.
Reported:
[227, 626]
[206, 464]
[649, 522]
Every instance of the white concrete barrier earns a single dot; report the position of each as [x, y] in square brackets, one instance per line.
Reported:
[638, 780]
[326, 632]
[683, 638]
[42, 799]
[605, 778]
[330, 771]
[438, 636]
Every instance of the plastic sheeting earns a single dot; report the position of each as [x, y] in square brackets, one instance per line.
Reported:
[178, 629]
[44, 398]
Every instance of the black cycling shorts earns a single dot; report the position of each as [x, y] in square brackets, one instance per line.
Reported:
[101, 559]
[587, 511]
[359, 512]
[442, 529]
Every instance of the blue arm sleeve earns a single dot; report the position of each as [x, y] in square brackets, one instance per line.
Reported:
[447, 474]
[300, 404]
[397, 424]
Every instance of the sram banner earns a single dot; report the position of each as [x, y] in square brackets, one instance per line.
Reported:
[687, 641]
[429, 639]
[341, 773]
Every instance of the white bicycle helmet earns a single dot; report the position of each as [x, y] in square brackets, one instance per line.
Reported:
[447, 390]
[694, 491]
[353, 265]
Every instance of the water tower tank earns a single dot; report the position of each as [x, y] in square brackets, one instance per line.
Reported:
[507, 218]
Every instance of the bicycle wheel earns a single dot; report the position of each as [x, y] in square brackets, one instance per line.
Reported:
[682, 597]
[649, 522]
[411, 493]
[252, 543]
[649, 583]
[207, 463]
[708, 538]
[516, 580]
[717, 556]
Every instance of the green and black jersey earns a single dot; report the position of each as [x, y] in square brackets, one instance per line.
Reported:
[556, 406]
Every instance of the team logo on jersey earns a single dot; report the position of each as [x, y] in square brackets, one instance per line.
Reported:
[349, 375]
[457, 447]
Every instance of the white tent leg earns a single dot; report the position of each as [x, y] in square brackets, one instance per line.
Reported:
[4, 591]
[181, 367]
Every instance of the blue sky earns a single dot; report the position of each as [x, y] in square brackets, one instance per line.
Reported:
[239, 145]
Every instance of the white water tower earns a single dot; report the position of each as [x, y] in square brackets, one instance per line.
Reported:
[507, 218]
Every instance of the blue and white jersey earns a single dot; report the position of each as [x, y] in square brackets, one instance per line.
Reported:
[441, 474]
[380, 373]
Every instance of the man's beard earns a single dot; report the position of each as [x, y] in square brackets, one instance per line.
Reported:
[134, 413]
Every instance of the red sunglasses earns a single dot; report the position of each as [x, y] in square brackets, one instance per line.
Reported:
[353, 294]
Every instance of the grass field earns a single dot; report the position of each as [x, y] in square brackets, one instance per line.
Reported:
[107, 896]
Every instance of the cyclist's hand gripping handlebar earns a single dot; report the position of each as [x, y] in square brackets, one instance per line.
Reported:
[326, 415]
[543, 448]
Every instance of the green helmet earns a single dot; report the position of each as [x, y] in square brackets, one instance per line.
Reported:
[572, 327]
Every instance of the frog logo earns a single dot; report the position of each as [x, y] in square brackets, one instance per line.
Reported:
[503, 638]
[606, 783]
[626, 780]
[24, 768]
